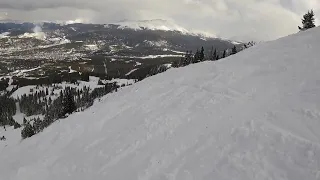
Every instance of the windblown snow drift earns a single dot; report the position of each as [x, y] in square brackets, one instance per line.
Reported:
[254, 115]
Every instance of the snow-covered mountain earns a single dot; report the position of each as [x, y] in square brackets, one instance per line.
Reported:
[15, 37]
[254, 115]
[155, 24]
[162, 25]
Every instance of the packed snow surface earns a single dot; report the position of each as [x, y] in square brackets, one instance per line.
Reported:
[251, 116]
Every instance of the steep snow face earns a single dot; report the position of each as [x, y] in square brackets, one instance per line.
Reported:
[254, 115]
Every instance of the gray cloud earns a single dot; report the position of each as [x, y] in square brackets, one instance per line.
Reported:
[235, 19]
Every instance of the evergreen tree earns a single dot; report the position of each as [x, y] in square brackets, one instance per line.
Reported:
[27, 131]
[11, 121]
[7, 110]
[16, 125]
[211, 54]
[68, 103]
[100, 82]
[37, 125]
[215, 56]
[307, 21]
[24, 121]
[234, 50]
[201, 55]
[187, 58]
[224, 54]
[85, 76]
[196, 56]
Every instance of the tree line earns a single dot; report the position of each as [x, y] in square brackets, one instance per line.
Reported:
[213, 55]
[48, 104]
[70, 100]
[7, 110]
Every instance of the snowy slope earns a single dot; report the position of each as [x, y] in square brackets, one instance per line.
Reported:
[251, 116]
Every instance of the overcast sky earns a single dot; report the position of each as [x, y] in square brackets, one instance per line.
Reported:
[233, 19]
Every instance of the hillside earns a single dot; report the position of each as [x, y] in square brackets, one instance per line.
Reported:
[254, 115]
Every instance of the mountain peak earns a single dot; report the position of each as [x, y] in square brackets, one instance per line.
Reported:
[160, 24]
[152, 24]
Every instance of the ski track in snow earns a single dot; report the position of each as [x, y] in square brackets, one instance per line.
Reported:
[133, 70]
[22, 72]
[150, 56]
[254, 115]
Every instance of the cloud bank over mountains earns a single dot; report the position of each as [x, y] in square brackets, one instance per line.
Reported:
[233, 19]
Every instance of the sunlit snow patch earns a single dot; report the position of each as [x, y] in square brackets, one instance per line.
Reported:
[71, 70]
[76, 21]
[159, 43]
[138, 63]
[235, 42]
[4, 35]
[91, 47]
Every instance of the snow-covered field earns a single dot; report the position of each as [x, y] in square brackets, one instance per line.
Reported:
[251, 116]
[93, 83]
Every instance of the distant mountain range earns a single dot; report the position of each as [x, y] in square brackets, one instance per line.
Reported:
[126, 38]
